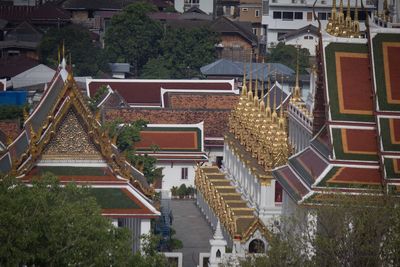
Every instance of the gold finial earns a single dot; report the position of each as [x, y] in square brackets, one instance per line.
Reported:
[356, 23]
[262, 82]
[274, 115]
[385, 11]
[297, 91]
[268, 108]
[250, 72]
[281, 105]
[333, 9]
[256, 87]
[348, 18]
[244, 88]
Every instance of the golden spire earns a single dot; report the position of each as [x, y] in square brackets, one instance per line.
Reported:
[250, 72]
[262, 82]
[333, 15]
[348, 18]
[256, 87]
[385, 11]
[281, 108]
[356, 23]
[274, 115]
[268, 108]
[244, 88]
[296, 96]
[281, 121]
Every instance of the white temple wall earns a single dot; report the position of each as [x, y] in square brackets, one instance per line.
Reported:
[172, 172]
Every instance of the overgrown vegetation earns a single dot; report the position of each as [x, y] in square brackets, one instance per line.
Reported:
[125, 136]
[12, 112]
[98, 96]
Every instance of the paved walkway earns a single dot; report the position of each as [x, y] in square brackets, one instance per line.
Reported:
[192, 229]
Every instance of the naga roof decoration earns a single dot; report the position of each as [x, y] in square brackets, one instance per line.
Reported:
[62, 132]
[358, 149]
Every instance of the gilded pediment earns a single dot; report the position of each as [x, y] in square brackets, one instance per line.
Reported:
[71, 141]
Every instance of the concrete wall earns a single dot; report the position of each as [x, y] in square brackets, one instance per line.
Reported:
[172, 175]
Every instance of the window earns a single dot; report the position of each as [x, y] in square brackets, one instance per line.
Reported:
[298, 15]
[308, 37]
[257, 13]
[265, 7]
[277, 15]
[322, 15]
[309, 16]
[245, 9]
[274, 1]
[184, 173]
[287, 16]
[254, 31]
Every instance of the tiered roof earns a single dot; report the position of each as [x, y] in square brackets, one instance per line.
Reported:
[357, 151]
[62, 136]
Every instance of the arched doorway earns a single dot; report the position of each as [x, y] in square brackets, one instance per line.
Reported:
[256, 246]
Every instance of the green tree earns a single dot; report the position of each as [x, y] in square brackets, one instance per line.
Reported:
[349, 231]
[156, 69]
[50, 225]
[184, 51]
[86, 57]
[132, 36]
[287, 55]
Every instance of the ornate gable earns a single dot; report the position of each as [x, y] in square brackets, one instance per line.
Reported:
[71, 141]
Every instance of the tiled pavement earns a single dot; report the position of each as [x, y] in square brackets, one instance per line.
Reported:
[192, 229]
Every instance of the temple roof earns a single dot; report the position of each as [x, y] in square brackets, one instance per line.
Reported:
[358, 150]
[167, 142]
[62, 136]
[138, 92]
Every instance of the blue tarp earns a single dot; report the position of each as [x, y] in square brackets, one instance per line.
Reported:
[18, 98]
